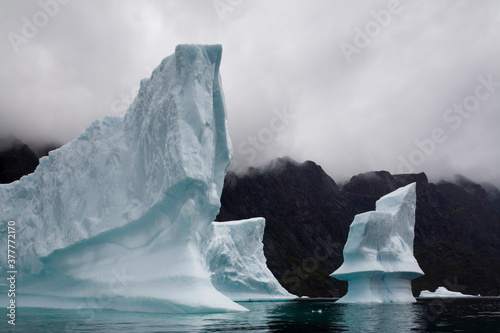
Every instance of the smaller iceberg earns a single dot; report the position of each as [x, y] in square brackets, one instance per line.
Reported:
[234, 254]
[442, 292]
[378, 256]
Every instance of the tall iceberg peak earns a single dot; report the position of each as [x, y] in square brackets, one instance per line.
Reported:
[378, 255]
[117, 218]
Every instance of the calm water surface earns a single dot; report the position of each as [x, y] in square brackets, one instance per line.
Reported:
[431, 315]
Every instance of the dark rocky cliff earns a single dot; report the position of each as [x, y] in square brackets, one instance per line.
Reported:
[307, 222]
[457, 226]
[16, 160]
[457, 230]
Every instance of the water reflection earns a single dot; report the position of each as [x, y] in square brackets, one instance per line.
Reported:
[381, 317]
[306, 317]
[454, 314]
[333, 317]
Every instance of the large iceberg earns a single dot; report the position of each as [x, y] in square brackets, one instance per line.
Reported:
[235, 256]
[118, 218]
[378, 255]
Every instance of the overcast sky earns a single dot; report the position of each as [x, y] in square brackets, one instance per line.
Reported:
[403, 86]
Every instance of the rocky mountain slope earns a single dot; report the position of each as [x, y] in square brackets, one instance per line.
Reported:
[307, 222]
[16, 160]
[457, 229]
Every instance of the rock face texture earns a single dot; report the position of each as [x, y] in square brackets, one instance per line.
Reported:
[457, 233]
[307, 222]
[457, 227]
[16, 160]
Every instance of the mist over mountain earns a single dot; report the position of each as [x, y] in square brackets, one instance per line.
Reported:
[18, 159]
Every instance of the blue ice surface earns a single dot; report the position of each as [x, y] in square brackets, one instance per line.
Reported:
[118, 218]
[378, 256]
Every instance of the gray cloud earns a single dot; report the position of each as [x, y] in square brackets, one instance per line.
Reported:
[369, 111]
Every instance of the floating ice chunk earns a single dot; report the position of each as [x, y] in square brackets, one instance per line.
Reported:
[378, 256]
[234, 254]
[443, 292]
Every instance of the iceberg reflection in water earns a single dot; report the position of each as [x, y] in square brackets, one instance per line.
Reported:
[429, 315]
[384, 317]
[472, 314]
[336, 317]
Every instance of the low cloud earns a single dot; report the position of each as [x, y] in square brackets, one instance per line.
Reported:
[367, 111]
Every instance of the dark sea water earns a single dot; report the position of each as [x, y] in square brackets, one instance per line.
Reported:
[429, 315]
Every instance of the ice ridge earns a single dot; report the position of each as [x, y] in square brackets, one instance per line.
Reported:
[116, 218]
